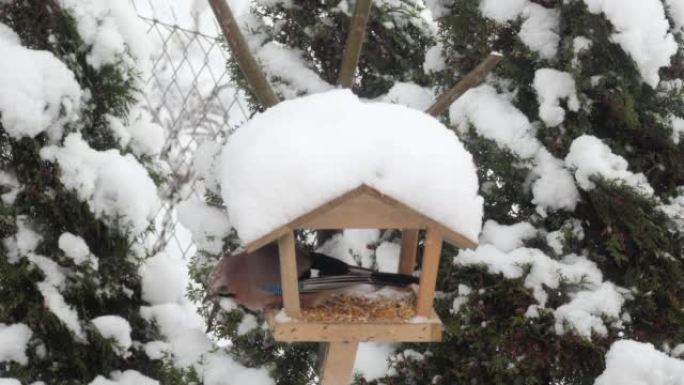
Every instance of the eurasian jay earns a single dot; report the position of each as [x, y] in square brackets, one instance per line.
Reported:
[253, 279]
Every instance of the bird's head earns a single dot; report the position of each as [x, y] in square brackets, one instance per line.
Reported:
[220, 282]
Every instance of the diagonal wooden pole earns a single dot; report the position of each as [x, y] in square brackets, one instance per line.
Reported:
[472, 79]
[238, 46]
[354, 43]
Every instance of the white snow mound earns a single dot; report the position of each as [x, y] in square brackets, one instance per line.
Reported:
[305, 152]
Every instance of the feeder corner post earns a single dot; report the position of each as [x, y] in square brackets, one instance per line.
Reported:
[288, 275]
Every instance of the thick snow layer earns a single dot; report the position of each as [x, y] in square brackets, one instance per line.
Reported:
[75, 248]
[583, 314]
[204, 164]
[9, 381]
[675, 9]
[117, 188]
[303, 153]
[115, 327]
[38, 94]
[636, 363]
[539, 31]
[112, 29]
[410, 95]
[552, 86]
[221, 369]
[494, 117]
[13, 340]
[129, 377]
[641, 29]
[164, 279]
[506, 237]
[589, 156]
[208, 224]
[247, 324]
[372, 359]
[144, 136]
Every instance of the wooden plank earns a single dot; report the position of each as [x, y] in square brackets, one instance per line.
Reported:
[388, 214]
[338, 363]
[409, 248]
[428, 330]
[470, 80]
[363, 211]
[428, 273]
[288, 275]
[240, 50]
[354, 43]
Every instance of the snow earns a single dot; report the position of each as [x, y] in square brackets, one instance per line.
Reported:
[539, 31]
[75, 248]
[438, 8]
[552, 86]
[555, 188]
[117, 188]
[494, 117]
[580, 43]
[506, 237]
[208, 224]
[353, 246]
[221, 369]
[247, 324]
[10, 184]
[502, 11]
[585, 311]
[144, 136]
[589, 156]
[637, 363]
[204, 164]
[675, 9]
[303, 153]
[164, 279]
[9, 381]
[23, 242]
[410, 95]
[115, 327]
[555, 241]
[13, 341]
[677, 128]
[113, 32]
[372, 359]
[434, 60]
[38, 94]
[288, 65]
[387, 257]
[641, 29]
[461, 299]
[129, 377]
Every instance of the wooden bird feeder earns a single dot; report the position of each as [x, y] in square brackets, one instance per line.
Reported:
[362, 207]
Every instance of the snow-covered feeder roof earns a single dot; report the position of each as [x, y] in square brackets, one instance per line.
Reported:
[313, 153]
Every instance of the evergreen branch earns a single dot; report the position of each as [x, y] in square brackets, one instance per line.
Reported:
[238, 45]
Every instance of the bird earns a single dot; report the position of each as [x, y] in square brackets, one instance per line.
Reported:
[253, 279]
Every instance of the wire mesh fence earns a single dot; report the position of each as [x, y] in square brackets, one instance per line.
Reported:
[191, 95]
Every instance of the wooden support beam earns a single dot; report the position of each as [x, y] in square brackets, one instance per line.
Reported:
[354, 43]
[428, 273]
[472, 79]
[288, 275]
[409, 248]
[238, 46]
[338, 363]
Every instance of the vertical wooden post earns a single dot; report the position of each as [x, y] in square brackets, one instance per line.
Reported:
[409, 248]
[288, 275]
[338, 363]
[428, 274]
[240, 50]
[354, 43]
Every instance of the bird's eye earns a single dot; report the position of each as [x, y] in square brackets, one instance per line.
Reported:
[224, 292]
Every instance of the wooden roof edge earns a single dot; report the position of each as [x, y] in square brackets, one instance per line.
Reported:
[449, 235]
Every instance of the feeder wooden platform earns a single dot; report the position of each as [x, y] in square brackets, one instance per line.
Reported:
[413, 330]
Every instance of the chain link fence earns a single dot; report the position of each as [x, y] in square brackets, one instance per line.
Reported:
[190, 94]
